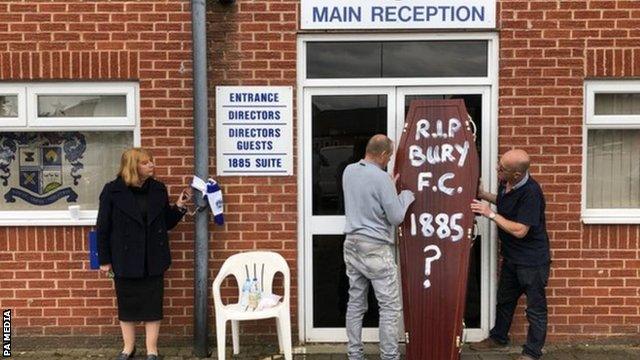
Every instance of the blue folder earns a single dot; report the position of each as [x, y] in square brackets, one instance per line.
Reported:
[93, 250]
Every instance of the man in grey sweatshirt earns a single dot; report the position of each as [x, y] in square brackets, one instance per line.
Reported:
[373, 209]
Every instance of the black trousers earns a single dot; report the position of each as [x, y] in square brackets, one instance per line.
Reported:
[516, 280]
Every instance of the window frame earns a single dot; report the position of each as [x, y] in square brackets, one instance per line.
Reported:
[492, 64]
[29, 122]
[79, 89]
[21, 120]
[606, 122]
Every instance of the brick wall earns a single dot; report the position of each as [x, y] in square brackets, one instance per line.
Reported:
[44, 272]
[254, 43]
[547, 49]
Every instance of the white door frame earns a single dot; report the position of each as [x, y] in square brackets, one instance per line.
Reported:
[489, 135]
[329, 225]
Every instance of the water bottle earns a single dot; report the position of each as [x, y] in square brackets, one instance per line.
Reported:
[254, 294]
[244, 298]
[246, 291]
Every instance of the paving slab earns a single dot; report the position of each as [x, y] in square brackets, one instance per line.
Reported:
[76, 349]
[262, 353]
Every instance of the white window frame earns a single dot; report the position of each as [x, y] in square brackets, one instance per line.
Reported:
[304, 83]
[29, 122]
[608, 122]
[81, 90]
[21, 120]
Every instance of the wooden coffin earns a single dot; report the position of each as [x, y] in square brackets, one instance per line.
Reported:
[438, 160]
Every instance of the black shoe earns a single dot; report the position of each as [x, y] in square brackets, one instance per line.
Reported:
[487, 344]
[153, 357]
[124, 356]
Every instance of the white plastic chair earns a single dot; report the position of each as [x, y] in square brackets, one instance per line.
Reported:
[235, 265]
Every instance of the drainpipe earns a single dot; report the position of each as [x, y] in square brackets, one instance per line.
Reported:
[201, 164]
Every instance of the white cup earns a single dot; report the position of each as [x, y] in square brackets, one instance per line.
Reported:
[74, 212]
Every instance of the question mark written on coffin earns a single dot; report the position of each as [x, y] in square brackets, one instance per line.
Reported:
[428, 261]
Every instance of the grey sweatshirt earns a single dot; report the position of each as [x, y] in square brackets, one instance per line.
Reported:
[371, 204]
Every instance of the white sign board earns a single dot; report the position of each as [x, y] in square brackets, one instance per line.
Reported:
[254, 130]
[398, 14]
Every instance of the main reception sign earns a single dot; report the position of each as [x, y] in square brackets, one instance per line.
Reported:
[398, 14]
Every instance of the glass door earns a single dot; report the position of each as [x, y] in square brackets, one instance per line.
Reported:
[338, 123]
[477, 102]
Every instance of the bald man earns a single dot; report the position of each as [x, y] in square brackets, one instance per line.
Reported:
[525, 252]
[373, 209]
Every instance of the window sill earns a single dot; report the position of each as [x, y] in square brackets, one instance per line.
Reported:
[47, 218]
[611, 216]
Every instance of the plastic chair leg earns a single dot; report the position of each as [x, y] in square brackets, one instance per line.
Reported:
[235, 335]
[221, 325]
[285, 331]
[279, 328]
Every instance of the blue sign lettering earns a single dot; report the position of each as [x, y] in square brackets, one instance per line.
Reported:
[239, 163]
[337, 14]
[254, 145]
[254, 114]
[269, 163]
[391, 14]
[255, 132]
[254, 97]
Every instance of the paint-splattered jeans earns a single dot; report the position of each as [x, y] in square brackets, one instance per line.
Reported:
[369, 262]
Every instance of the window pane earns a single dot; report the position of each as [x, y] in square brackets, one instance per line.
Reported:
[82, 106]
[341, 127]
[473, 308]
[434, 59]
[344, 60]
[331, 285]
[396, 59]
[52, 170]
[613, 169]
[9, 106]
[618, 104]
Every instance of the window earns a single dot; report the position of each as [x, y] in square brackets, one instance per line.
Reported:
[11, 101]
[397, 59]
[611, 171]
[59, 144]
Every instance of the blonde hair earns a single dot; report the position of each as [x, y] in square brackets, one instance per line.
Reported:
[129, 164]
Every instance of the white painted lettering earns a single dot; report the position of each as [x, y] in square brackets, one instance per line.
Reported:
[463, 151]
[454, 126]
[427, 262]
[422, 127]
[423, 180]
[441, 185]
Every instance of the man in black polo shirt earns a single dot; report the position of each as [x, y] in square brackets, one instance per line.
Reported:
[525, 252]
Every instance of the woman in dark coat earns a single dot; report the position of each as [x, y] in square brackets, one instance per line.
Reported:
[133, 244]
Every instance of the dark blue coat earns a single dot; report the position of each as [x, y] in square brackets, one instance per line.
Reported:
[122, 235]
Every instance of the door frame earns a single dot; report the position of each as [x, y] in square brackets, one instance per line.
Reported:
[489, 160]
[327, 224]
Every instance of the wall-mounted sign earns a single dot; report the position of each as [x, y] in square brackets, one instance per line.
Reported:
[254, 130]
[398, 14]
